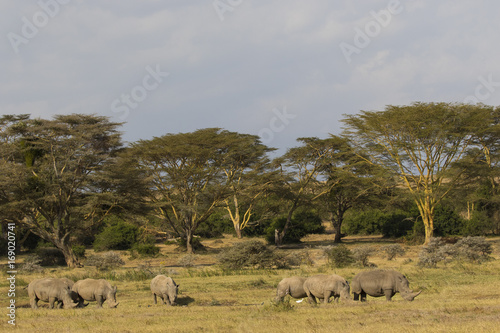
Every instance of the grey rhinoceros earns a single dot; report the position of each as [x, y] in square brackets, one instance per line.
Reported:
[50, 290]
[293, 286]
[379, 283]
[165, 288]
[325, 286]
[96, 290]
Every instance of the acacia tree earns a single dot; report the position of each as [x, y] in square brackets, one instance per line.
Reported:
[50, 172]
[246, 173]
[191, 174]
[420, 143]
[355, 183]
[300, 170]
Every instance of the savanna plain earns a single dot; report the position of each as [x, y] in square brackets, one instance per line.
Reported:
[456, 297]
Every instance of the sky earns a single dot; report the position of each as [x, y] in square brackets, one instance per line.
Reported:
[277, 69]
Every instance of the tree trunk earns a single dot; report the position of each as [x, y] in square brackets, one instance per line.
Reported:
[189, 242]
[426, 210]
[69, 255]
[238, 230]
[337, 226]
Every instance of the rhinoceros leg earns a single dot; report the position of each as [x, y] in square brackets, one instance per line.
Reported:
[52, 300]
[388, 294]
[327, 296]
[356, 296]
[99, 300]
[34, 302]
[363, 296]
[154, 299]
[166, 300]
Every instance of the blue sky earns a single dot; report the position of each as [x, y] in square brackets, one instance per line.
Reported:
[278, 69]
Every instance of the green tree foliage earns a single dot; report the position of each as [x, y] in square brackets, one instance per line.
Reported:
[191, 174]
[51, 171]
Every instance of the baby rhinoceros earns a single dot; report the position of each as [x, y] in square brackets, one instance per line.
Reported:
[325, 286]
[377, 283]
[165, 288]
[50, 290]
[96, 290]
[293, 286]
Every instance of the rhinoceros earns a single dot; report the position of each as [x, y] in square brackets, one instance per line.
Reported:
[96, 290]
[293, 286]
[379, 283]
[325, 286]
[50, 290]
[164, 287]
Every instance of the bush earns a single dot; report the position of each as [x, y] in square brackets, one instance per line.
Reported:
[478, 225]
[302, 224]
[145, 250]
[105, 261]
[472, 249]
[365, 223]
[187, 260]
[251, 254]
[339, 256]
[32, 264]
[119, 235]
[50, 256]
[215, 226]
[393, 250]
[362, 253]
[195, 243]
[447, 222]
[79, 251]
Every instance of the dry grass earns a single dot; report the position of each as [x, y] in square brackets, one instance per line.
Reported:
[455, 298]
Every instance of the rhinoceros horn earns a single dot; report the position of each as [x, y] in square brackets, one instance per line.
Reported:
[410, 296]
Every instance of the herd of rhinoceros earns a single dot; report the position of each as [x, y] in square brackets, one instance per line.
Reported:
[375, 283]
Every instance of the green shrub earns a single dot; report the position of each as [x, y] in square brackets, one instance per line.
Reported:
[339, 256]
[447, 222]
[215, 226]
[365, 222]
[50, 256]
[119, 235]
[253, 254]
[479, 224]
[302, 224]
[79, 251]
[195, 243]
[145, 250]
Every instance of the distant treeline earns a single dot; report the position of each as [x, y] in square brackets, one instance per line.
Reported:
[416, 171]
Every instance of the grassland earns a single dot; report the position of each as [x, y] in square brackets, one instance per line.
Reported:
[459, 297]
